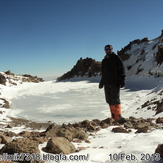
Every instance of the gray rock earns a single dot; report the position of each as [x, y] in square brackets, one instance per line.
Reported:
[119, 130]
[159, 120]
[22, 145]
[143, 129]
[5, 139]
[59, 145]
[159, 150]
[2, 79]
[6, 103]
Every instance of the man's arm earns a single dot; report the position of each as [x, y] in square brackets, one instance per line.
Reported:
[101, 82]
[121, 73]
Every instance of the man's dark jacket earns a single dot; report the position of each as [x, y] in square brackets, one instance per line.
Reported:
[112, 70]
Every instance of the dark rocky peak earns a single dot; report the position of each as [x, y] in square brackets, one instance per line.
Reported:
[159, 55]
[84, 67]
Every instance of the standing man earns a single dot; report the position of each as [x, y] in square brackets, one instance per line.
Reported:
[113, 78]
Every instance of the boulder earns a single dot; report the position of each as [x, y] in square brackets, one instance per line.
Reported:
[159, 120]
[159, 55]
[2, 79]
[71, 133]
[10, 134]
[25, 134]
[21, 145]
[66, 134]
[51, 131]
[5, 104]
[10, 125]
[81, 134]
[108, 121]
[128, 125]
[159, 150]
[119, 130]
[89, 125]
[143, 130]
[159, 109]
[59, 145]
[5, 139]
[39, 140]
[140, 125]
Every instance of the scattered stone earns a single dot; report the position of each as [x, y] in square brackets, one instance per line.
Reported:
[133, 120]
[159, 109]
[120, 121]
[35, 134]
[81, 148]
[104, 125]
[128, 125]
[59, 145]
[25, 134]
[51, 131]
[65, 133]
[39, 140]
[2, 79]
[140, 125]
[106, 122]
[87, 141]
[119, 130]
[143, 130]
[97, 121]
[6, 103]
[159, 120]
[5, 139]
[10, 125]
[9, 133]
[77, 141]
[89, 125]
[71, 133]
[21, 145]
[159, 150]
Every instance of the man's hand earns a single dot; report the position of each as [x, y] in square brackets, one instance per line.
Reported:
[121, 84]
[100, 86]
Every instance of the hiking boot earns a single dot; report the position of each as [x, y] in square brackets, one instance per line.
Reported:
[120, 120]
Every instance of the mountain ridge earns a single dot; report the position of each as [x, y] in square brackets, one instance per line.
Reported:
[141, 57]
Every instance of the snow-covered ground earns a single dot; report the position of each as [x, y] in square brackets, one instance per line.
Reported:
[63, 102]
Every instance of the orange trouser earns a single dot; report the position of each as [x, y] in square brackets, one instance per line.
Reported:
[115, 111]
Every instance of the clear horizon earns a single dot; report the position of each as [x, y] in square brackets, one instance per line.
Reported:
[46, 38]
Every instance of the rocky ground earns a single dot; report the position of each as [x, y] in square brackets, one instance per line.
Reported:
[60, 138]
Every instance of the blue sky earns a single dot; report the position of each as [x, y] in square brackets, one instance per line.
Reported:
[47, 37]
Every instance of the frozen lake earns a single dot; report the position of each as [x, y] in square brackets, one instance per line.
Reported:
[65, 102]
[62, 102]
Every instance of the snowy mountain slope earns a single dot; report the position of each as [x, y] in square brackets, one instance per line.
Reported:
[142, 57]
[9, 79]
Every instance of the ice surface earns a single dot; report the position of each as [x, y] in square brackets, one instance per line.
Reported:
[63, 102]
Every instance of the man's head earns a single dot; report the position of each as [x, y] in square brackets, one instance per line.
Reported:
[108, 49]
